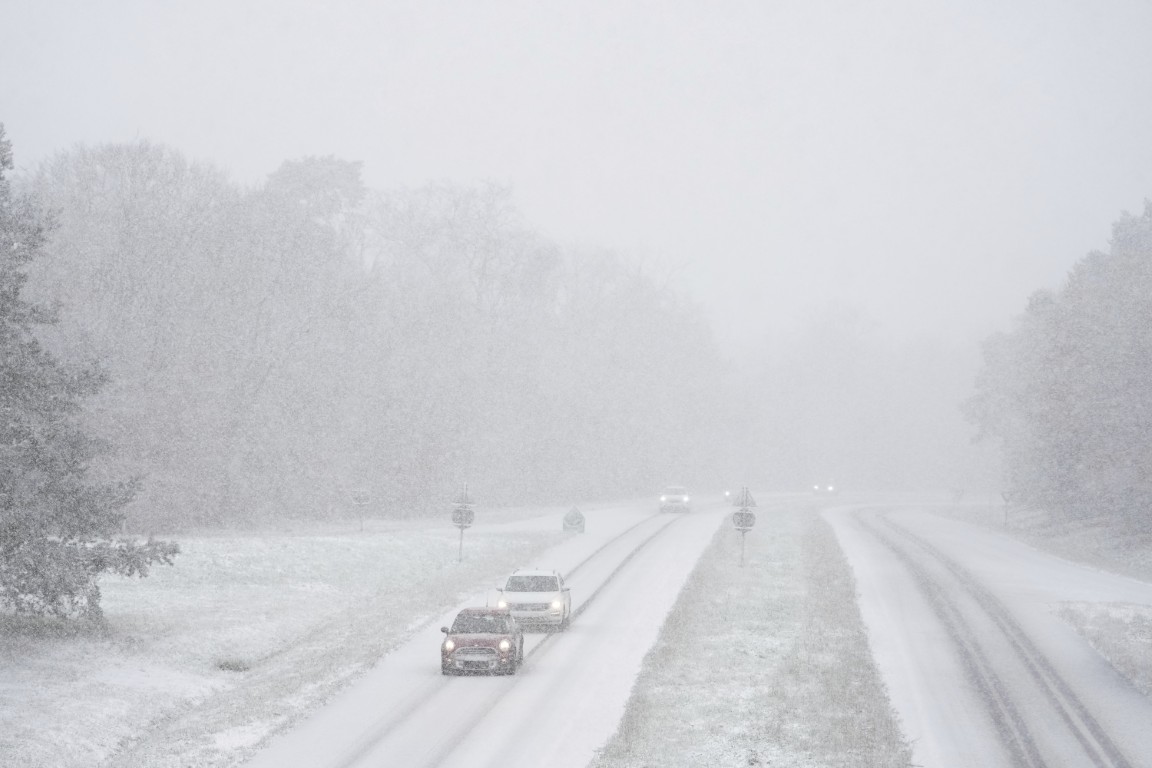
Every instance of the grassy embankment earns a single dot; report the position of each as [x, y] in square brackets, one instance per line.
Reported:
[766, 664]
[200, 662]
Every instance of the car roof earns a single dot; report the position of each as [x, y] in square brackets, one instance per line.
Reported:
[534, 572]
[676, 488]
[484, 612]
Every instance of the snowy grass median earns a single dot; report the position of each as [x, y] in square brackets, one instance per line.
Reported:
[199, 663]
[762, 665]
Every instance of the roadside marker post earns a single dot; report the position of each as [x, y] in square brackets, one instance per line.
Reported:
[744, 518]
[463, 517]
[361, 499]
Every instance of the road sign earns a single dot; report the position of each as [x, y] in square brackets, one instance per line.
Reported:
[743, 520]
[463, 516]
[745, 500]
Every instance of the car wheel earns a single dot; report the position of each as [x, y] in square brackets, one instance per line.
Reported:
[564, 624]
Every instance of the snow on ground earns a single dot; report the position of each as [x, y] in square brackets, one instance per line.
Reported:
[765, 664]
[1095, 541]
[1037, 588]
[199, 664]
[240, 638]
[773, 667]
[404, 712]
[1121, 632]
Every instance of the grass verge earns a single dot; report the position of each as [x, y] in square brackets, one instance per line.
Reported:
[765, 664]
[200, 663]
[1121, 633]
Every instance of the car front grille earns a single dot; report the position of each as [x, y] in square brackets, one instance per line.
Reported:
[476, 654]
[530, 606]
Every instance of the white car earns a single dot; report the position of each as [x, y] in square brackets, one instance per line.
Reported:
[674, 499]
[825, 489]
[537, 598]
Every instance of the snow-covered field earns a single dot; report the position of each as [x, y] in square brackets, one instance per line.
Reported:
[200, 663]
[244, 635]
[765, 664]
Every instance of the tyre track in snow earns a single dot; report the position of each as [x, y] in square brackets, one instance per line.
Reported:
[999, 657]
[661, 522]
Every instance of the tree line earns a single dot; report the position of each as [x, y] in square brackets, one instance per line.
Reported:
[293, 348]
[1067, 391]
[57, 518]
[183, 351]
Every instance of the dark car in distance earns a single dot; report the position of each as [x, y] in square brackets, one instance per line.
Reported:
[574, 521]
[482, 640]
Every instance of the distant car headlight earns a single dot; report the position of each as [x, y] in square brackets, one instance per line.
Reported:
[557, 604]
[505, 645]
[501, 603]
[449, 646]
[831, 488]
[685, 499]
[663, 499]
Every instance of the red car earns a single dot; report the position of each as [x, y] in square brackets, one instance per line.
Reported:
[482, 640]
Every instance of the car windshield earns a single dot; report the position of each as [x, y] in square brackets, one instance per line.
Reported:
[479, 624]
[674, 492]
[532, 584]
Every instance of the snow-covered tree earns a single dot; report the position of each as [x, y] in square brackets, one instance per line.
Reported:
[1068, 390]
[57, 526]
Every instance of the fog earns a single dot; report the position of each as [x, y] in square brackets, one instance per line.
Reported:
[897, 175]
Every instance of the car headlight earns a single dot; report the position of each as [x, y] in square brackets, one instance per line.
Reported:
[663, 499]
[448, 646]
[505, 645]
[557, 604]
[501, 603]
[685, 499]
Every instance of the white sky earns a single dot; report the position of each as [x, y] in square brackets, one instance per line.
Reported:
[929, 163]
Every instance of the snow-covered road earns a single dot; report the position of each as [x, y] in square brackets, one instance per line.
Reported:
[624, 575]
[982, 671]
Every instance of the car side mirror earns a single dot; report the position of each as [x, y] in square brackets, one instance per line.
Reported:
[444, 630]
[563, 589]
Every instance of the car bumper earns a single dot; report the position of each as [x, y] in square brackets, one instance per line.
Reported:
[479, 664]
[547, 618]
